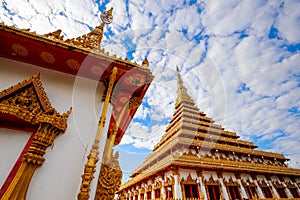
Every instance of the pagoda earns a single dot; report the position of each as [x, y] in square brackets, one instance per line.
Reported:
[198, 159]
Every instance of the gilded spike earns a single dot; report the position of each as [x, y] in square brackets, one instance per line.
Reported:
[182, 94]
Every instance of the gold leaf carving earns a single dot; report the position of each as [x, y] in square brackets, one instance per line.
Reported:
[19, 49]
[109, 179]
[73, 64]
[28, 101]
[48, 57]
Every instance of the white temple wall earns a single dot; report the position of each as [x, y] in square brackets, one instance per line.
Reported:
[60, 175]
[11, 141]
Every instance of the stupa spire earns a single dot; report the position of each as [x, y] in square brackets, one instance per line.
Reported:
[182, 94]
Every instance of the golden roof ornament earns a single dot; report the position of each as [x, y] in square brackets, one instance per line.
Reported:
[182, 94]
[107, 16]
[145, 63]
[93, 39]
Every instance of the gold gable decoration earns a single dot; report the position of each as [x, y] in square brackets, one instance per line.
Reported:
[28, 102]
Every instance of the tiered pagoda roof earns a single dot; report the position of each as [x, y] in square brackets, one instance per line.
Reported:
[192, 140]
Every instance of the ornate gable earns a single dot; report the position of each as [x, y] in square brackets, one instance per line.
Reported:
[28, 101]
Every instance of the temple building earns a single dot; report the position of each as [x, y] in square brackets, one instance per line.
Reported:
[49, 155]
[198, 159]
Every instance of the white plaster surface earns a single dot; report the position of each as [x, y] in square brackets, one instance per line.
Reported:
[60, 175]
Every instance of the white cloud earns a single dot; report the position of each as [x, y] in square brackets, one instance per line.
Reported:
[288, 21]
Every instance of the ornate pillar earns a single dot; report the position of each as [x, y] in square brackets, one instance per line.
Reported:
[274, 191]
[243, 192]
[162, 189]
[152, 191]
[259, 191]
[202, 186]
[177, 188]
[287, 191]
[223, 188]
[90, 166]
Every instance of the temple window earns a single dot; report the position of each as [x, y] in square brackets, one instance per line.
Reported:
[267, 192]
[281, 192]
[149, 195]
[251, 191]
[234, 192]
[169, 192]
[191, 191]
[294, 192]
[189, 187]
[157, 193]
[142, 196]
[213, 192]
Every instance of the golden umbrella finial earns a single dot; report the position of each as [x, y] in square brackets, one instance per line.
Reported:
[107, 16]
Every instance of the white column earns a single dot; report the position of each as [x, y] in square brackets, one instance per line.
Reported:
[153, 192]
[162, 190]
[177, 189]
[202, 188]
[288, 192]
[273, 189]
[243, 192]
[139, 194]
[223, 189]
[259, 191]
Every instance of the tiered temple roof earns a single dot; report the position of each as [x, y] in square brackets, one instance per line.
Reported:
[192, 140]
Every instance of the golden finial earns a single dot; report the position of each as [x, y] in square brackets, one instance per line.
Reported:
[182, 94]
[107, 16]
[145, 63]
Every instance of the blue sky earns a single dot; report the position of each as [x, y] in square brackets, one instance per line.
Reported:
[239, 60]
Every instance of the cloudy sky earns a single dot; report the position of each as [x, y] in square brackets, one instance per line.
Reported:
[239, 60]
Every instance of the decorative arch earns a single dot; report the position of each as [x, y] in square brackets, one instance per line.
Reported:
[215, 193]
[27, 105]
[194, 189]
[230, 182]
[169, 187]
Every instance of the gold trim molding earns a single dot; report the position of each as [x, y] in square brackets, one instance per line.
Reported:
[28, 102]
